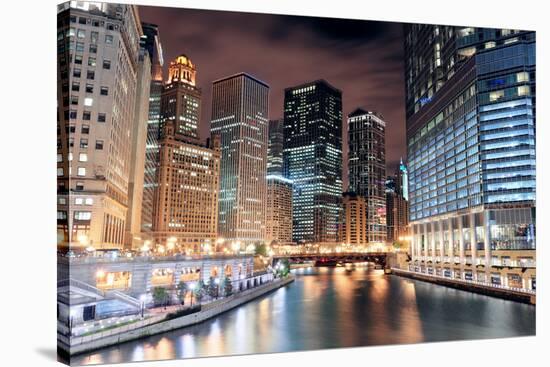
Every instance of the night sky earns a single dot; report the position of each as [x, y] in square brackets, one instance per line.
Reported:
[364, 59]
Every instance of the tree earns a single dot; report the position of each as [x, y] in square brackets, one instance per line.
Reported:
[199, 291]
[227, 287]
[182, 291]
[285, 267]
[212, 288]
[160, 296]
[261, 249]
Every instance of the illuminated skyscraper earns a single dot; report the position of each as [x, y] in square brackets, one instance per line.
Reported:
[279, 210]
[275, 148]
[353, 225]
[367, 168]
[152, 159]
[98, 50]
[313, 159]
[240, 120]
[471, 155]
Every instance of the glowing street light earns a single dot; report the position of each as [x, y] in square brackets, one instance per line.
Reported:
[192, 286]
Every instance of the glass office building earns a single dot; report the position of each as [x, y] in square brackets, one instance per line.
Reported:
[313, 159]
[471, 151]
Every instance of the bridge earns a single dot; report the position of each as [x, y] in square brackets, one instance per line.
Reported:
[332, 259]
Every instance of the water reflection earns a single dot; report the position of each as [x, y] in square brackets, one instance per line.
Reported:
[330, 308]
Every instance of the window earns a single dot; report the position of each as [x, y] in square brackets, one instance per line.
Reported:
[78, 59]
[522, 77]
[86, 115]
[109, 39]
[85, 129]
[78, 201]
[104, 91]
[77, 72]
[90, 74]
[81, 33]
[106, 64]
[79, 186]
[75, 87]
[89, 88]
[72, 114]
[71, 142]
[60, 171]
[83, 157]
[81, 171]
[91, 61]
[61, 215]
[81, 20]
[70, 156]
[93, 37]
[83, 143]
[88, 101]
[496, 95]
[89, 201]
[523, 90]
[101, 117]
[74, 100]
[82, 215]
[99, 144]
[59, 157]
[80, 47]
[93, 49]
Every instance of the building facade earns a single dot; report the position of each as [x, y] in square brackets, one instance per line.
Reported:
[397, 207]
[353, 225]
[471, 152]
[313, 159]
[154, 48]
[275, 147]
[186, 206]
[240, 121]
[367, 168]
[279, 210]
[98, 50]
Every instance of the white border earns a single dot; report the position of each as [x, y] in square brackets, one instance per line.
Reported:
[28, 106]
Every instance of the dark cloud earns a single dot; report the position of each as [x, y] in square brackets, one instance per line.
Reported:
[364, 59]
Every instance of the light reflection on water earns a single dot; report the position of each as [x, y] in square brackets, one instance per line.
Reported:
[331, 308]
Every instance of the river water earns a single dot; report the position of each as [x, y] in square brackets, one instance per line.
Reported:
[332, 308]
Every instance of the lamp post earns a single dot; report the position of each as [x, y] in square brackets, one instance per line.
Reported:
[192, 287]
[142, 303]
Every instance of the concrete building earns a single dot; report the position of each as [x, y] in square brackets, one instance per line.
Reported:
[152, 155]
[353, 225]
[471, 151]
[313, 159]
[367, 168]
[279, 210]
[240, 121]
[397, 208]
[98, 50]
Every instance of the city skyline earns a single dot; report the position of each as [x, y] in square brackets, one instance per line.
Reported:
[291, 50]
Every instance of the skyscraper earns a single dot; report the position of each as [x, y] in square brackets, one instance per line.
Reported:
[397, 207]
[367, 168]
[98, 49]
[471, 151]
[153, 46]
[240, 120]
[188, 175]
[279, 210]
[275, 147]
[353, 225]
[313, 159]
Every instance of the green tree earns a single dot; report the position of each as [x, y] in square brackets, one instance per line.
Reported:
[182, 291]
[227, 287]
[212, 288]
[199, 291]
[261, 249]
[160, 296]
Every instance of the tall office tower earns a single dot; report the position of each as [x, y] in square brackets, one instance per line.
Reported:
[397, 209]
[239, 119]
[186, 201]
[313, 159]
[180, 103]
[98, 49]
[152, 159]
[403, 173]
[279, 210]
[471, 151]
[138, 133]
[367, 168]
[275, 147]
[353, 225]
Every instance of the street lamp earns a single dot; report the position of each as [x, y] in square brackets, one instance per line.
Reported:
[192, 287]
[142, 303]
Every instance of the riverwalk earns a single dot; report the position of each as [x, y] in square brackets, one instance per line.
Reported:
[158, 324]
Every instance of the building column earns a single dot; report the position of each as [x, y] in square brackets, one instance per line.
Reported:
[441, 241]
[451, 238]
[413, 243]
[461, 246]
[426, 244]
[432, 240]
[487, 245]
[473, 245]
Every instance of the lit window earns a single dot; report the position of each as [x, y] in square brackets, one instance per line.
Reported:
[523, 90]
[82, 215]
[70, 156]
[78, 201]
[81, 171]
[81, 33]
[490, 44]
[88, 101]
[60, 171]
[522, 77]
[91, 61]
[60, 157]
[89, 201]
[109, 39]
[496, 95]
[83, 157]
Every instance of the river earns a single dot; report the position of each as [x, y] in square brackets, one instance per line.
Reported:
[332, 308]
